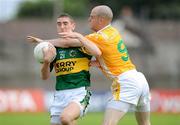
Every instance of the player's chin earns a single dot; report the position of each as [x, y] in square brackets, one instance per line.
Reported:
[64, 30]
[93, 28]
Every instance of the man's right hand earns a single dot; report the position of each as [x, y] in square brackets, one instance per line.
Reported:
[33, 39]
[49, 53]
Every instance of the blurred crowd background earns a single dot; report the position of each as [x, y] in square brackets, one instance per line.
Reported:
[150, 29]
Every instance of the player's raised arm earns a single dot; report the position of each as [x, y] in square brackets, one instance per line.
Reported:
[58, 42]
[65, 42]
[34, 39]
[89, 46]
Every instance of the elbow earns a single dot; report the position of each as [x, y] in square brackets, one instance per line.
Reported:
[98, 53]
[44, 77]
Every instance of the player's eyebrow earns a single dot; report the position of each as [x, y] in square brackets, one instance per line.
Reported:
[62, 22]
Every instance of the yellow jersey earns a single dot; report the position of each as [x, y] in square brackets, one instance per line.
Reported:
[115, 59]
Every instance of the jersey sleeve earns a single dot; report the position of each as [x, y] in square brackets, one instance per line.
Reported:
[96, 38]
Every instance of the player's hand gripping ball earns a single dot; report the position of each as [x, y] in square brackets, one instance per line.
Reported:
[39, 51]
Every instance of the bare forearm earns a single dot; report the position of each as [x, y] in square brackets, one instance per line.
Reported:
[45, 70]
[89, 45]
[65, 43]
[58, 42]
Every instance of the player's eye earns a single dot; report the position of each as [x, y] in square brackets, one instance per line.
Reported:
[58, 23]
[65, 23]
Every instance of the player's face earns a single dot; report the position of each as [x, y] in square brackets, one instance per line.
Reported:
[65, 24]
[93, 20]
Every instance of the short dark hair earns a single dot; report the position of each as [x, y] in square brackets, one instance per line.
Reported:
[66, 15]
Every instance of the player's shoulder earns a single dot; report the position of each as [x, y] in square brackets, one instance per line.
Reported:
[92, 35]
[95, 37]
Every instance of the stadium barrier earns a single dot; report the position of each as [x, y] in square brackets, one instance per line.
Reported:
[20, 100]
[37, 100]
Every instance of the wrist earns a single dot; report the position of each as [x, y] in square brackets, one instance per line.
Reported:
[39, 40]
[81, 38]
[46, 62]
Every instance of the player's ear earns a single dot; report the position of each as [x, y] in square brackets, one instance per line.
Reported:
[101, 19]
[74, 26]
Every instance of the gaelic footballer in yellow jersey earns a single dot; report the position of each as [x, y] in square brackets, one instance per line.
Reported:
[115, 59]
[129, 89]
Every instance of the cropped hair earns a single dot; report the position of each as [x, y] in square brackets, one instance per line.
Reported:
[66, 15]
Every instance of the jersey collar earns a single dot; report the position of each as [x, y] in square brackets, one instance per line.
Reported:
[104, 28]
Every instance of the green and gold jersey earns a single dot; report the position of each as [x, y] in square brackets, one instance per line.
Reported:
[71, 67]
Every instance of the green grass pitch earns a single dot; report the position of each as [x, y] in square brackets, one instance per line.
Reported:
[89, 119]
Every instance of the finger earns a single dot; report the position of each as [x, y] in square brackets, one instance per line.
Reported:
[28, 36]
[45, 50]
[32, 36]
[30, 39]
[63, 34]
[50, 47]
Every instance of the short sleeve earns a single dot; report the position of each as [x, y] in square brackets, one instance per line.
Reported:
[96, 38]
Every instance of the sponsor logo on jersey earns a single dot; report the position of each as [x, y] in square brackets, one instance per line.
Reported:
[72, 53]
[68, 66]
[62, 54]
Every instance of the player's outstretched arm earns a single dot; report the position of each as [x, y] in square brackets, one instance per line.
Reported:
[65, 42]
[33, 39]
[58, 42]
[89, 45]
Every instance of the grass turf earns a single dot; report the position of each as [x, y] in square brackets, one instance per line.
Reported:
[89, 119]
